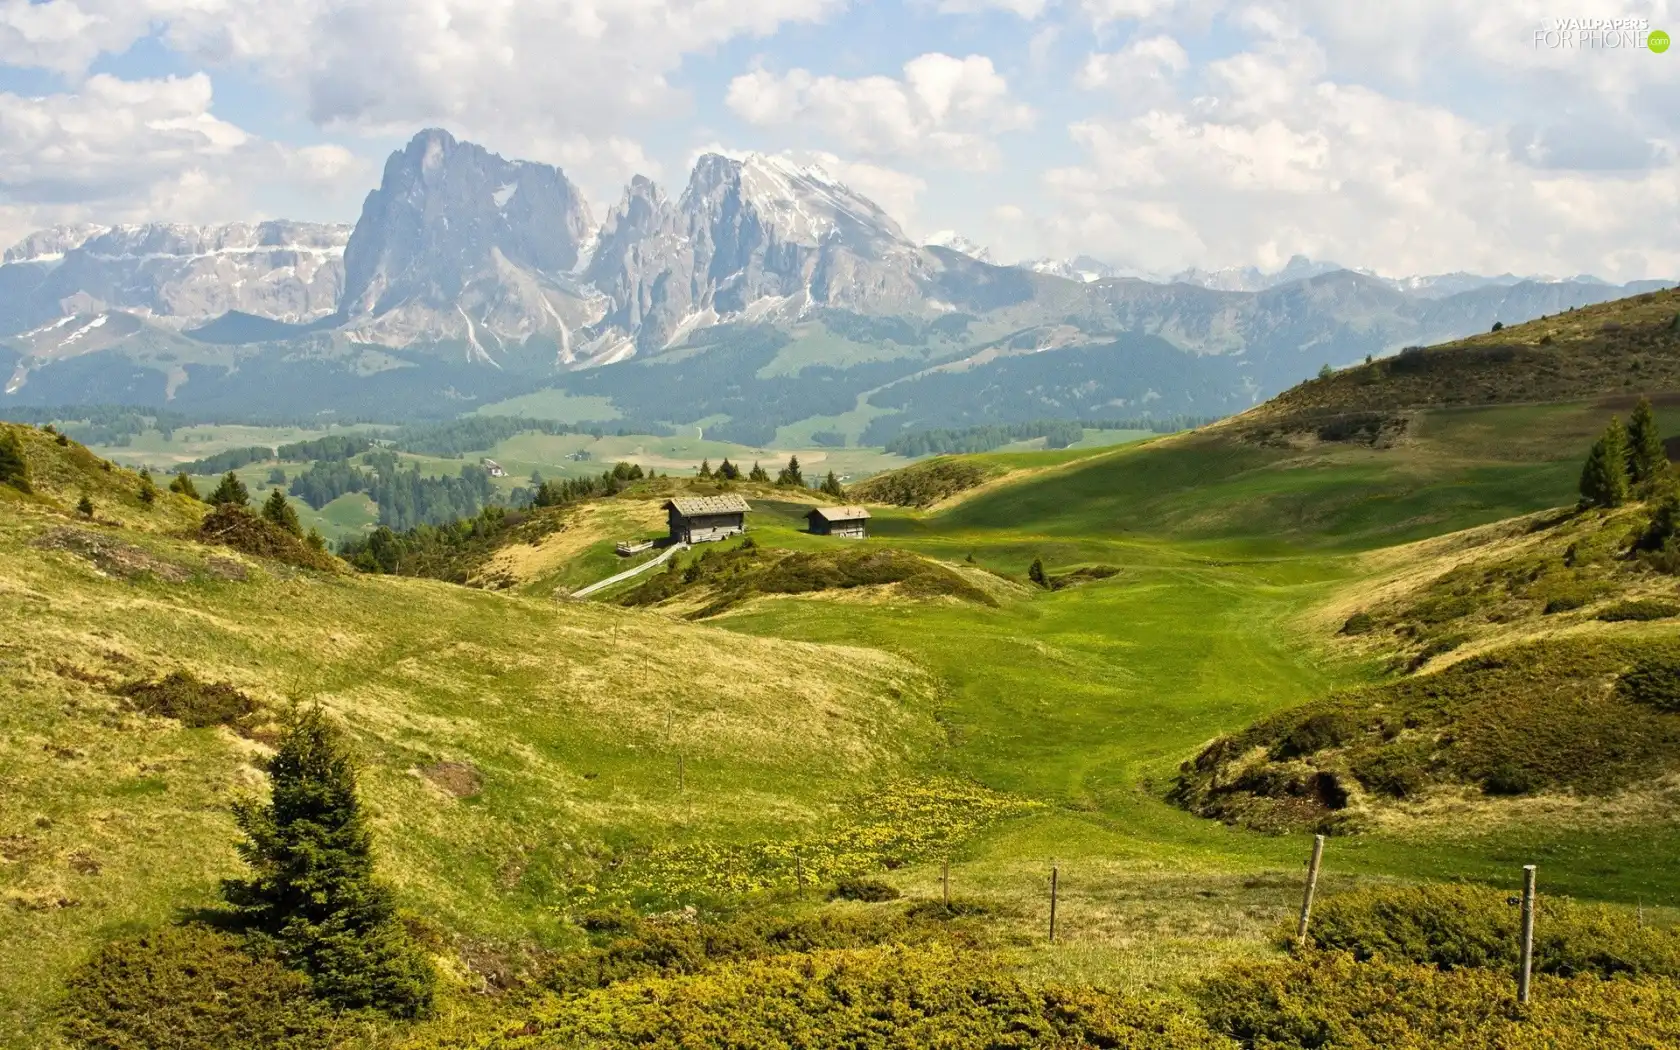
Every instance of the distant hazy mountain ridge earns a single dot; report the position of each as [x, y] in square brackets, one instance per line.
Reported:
[472, 278]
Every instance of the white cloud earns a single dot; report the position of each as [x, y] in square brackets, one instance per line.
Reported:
[137, 150]
[1101, 11]
[1028, 9]
[945, 108]
[1140, 73]
[1277, 158]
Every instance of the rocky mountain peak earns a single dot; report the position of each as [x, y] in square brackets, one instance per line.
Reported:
[454, 229]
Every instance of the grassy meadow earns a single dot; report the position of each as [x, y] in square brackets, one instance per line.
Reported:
[520, 751]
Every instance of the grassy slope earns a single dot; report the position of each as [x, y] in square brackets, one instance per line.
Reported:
[561, 710]
[1615, 348]
[1084, 700]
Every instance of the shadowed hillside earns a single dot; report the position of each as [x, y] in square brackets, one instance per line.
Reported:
[1615, 348]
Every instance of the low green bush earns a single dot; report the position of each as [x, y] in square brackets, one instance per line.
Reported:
[1654, 681]
[1640, 609]
[1454, 926]
[196, 704]
[887, 998]
[1331, 1001]
[1359, 623]
[190, 988]
[860, 889]
[642, 947]
[1590, 715]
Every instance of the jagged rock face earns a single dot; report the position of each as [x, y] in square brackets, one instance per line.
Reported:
[757, 233]
[180, 275]
[459, 242]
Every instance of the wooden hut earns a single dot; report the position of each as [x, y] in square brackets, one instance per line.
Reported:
[697, 519]
[852, 522]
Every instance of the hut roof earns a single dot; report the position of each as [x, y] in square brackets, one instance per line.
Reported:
[695, 506]
[833, 514]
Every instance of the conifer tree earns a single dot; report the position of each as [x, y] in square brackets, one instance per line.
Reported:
[1035, 573]
[759, 474]
[84, 506]
[1604, 479]
[184, 485]
[148, 490]
[831, 486]
[277, 510]
[14, 470]
[230, 490]
[790, 474]
[312, 887]
[728, 471]
[706, 469]
[1647, 460]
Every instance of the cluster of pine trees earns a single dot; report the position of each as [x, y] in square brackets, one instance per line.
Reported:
[570, 490]
[1625, 462]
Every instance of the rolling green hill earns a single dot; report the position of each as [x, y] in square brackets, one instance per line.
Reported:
[1277, 601]
[1614, 349]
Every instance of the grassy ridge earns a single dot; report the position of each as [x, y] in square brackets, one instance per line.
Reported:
[1616, 348]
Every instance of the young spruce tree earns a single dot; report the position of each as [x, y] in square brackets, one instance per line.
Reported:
[312, 887]
[277, 510]
[759, 474]
[1035, 573]
[1647, 460]
[1604, 479]
[831, 486]
[183, 484]
[230, 490]
[791, 474]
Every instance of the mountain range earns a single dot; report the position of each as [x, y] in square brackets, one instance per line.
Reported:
[766, 300]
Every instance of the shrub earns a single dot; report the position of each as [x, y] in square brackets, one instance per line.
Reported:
[231, 525]
[84, 506]
[639, 947]
[14, 469]
[1359, 623]
[195, 704]
[886, 998]
[1315, 734]
[1654, 681]
[1453, 926]
[190, 988]
[183, 484]
[1331, 1001]
[1639, 609]
[861, 889]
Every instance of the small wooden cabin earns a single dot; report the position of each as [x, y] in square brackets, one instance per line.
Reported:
[851, 522]
[698, 519]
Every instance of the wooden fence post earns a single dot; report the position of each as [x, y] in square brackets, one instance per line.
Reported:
[679, 772]
[1053, 873]
[1525, 969]
[945, 881]
[799, 873]
[1312, 888]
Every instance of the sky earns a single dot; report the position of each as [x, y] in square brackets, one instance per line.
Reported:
[1407, 137]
